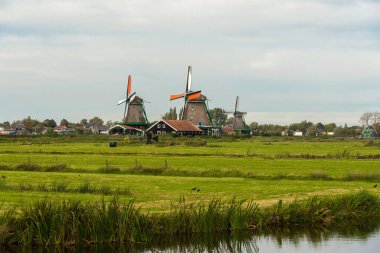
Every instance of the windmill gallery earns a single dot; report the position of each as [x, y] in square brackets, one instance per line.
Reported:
[194, 119]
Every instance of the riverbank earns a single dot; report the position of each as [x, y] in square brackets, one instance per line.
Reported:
[68, 223]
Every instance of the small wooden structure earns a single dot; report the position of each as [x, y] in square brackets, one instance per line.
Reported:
[369, 132]
[126, 130]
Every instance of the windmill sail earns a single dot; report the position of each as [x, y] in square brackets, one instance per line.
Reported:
[195, 108]
[188, 82]
[134, 111]
[238, 121]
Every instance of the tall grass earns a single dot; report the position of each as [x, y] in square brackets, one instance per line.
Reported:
[48, 222]
[166, 170]
[63, 186]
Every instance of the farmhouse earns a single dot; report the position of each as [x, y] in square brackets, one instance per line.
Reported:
[178, 127]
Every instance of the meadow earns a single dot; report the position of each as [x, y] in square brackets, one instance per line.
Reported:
[261, 169]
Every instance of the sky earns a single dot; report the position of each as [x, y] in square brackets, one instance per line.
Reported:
[288, 60]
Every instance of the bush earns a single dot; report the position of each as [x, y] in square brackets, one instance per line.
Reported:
[57, 167]
[28, 167]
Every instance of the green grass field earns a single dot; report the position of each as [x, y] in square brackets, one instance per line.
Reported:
[262, 169]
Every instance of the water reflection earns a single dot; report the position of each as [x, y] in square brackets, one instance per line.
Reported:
[367, 236]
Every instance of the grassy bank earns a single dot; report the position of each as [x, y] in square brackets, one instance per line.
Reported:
[49, 222]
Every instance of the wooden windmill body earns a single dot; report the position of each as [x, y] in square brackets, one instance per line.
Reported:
[238, 124]
[134, 111]
[195, 108]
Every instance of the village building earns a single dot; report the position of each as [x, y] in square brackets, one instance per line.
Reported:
[9, 131]
[228, 130]
[285, 132]
[63, 130]
[177, 127]
[100, 129]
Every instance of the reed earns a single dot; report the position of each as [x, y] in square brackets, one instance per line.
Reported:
[48, 222]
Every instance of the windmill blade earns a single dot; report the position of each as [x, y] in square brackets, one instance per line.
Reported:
[188, 82]
[129, 88]
[193, 95]
[173, 97]
[132, 97]
[125, 109]
[121, 101]
[128, 99]
[237, 104]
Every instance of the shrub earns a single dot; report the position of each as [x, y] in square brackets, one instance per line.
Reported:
[28, 167]
[57, 167]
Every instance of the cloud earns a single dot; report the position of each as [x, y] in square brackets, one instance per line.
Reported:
[72, 58]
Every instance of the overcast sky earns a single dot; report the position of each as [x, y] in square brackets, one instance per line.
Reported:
[288, 60]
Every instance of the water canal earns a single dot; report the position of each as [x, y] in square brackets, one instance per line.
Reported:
[347, 239]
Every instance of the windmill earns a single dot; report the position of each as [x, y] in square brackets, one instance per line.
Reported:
[134, 111]
[238, 123]
[195, 108]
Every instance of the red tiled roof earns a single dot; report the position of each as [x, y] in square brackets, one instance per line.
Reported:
[228, 129]
[183, 125]
[58, 128]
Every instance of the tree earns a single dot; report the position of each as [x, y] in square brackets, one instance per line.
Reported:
[109, 123]
[30, 124]
[64, 122]
[302, 126]
[180, 115]
[229, 121]
[366, 118]
[95, 121]
[254, 125]
[375, 118]
[172, 114]
[346, 131]
[49, 123]
[330, 127]
[6, 124]
[84, 122]
[313, 130]
[219, 116]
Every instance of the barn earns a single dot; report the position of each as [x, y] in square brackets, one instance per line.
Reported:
[178, 127]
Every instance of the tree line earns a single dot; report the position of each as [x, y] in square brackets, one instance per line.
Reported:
[221, 118]
[36, 126]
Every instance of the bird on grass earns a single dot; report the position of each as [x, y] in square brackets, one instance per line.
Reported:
[196, 189]
[3, 176]
[375, 186]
